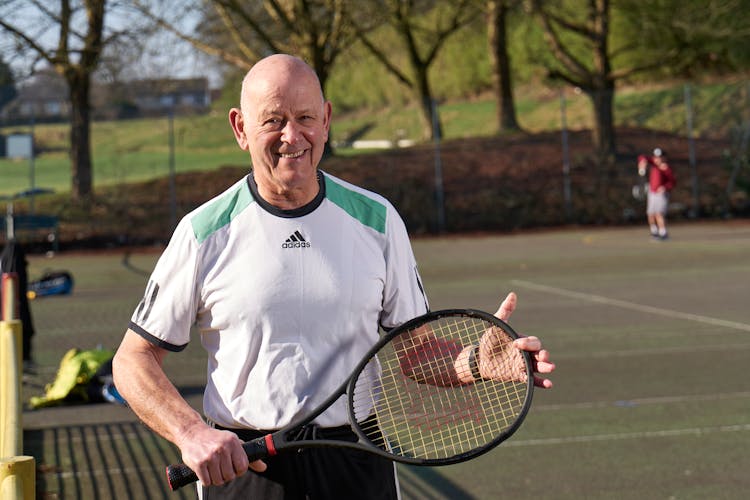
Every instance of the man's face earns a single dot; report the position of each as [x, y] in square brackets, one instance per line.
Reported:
[284, 124]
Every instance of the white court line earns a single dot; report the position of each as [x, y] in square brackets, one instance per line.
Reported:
[587, 405]
[632, 305]
[653, 351]
[693, 431]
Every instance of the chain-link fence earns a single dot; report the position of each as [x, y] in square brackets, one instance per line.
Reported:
[548, 176]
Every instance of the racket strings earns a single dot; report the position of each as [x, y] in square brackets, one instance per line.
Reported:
[423, 409]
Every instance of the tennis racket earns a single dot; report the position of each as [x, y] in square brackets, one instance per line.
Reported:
[440, 389]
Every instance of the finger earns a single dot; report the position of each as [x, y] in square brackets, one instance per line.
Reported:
[540, 367]
[214, 473]
[203, 475]
[507, 307]
[258, 466]
[531, 344]
[544, 383]
[542, 363]
[542, 356]
[239, 460]
[227, 469]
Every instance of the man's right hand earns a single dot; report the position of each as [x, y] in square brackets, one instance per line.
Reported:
[216, 456]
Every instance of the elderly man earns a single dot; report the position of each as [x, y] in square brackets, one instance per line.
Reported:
[288, 276]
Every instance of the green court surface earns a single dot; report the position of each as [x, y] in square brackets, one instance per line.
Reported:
[651, 342]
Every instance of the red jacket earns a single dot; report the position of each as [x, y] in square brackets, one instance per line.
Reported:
[661, 177]
[658, 177]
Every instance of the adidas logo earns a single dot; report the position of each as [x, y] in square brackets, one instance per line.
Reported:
[296, 240]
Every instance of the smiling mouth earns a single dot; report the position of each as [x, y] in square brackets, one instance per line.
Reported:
[296, 154]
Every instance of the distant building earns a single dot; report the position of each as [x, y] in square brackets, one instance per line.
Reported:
[45, 99]
[185, 95]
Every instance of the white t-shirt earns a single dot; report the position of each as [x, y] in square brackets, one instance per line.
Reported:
[286, 302]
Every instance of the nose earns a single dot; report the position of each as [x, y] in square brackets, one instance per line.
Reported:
[291, 132]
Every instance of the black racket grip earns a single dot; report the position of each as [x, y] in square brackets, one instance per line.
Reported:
[180, 475]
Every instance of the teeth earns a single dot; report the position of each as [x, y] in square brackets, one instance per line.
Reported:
[292, 155]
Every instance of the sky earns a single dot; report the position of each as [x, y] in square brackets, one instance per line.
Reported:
[164, 55]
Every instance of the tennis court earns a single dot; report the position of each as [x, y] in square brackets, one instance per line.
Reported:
[651, 339]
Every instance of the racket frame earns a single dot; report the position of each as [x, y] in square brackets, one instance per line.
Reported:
[416, 323]
[278, 441]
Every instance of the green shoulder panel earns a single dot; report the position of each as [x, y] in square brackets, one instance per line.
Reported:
[366, 210]
[220, 212]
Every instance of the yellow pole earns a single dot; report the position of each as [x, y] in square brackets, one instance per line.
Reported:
[9, 293]
[17, 478]
[11, 369]
[17, 472]
[11, 430]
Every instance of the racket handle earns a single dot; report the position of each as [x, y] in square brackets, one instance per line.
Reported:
[180, 475]
[258, 448]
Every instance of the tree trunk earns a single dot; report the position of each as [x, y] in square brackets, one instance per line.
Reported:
[604, 130]
[430, 116]
[497, 11]
[321, 69]
[80, 128]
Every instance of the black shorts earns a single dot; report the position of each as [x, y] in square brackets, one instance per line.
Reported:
[313, 473]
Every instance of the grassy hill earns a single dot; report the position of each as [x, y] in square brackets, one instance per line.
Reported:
[138, 150]
[492, 183]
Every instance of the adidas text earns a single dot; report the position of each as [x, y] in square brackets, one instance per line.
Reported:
[295, 244]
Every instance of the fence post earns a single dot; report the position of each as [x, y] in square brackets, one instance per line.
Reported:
[17, 478]
[9, 293]
[11, 431]
[439, 191]
[566, 159]
[695, 210]
[17, 472]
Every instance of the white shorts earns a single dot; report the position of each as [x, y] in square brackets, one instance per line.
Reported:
[657, 203]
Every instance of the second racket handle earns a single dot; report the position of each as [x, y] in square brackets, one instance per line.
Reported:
[259, 448]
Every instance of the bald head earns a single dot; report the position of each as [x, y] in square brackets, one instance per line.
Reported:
[278, 70]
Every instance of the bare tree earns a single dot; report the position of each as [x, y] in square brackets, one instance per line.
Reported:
[240, 33]
[687, 39]
[669, 37]
[423, 28]
[70, 38]
[563, 30]
[7, 84]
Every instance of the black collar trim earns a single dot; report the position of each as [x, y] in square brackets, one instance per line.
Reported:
[288, 214]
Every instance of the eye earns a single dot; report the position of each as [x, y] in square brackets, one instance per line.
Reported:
[272, 123]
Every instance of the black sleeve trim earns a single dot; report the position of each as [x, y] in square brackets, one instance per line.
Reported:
[155, 340]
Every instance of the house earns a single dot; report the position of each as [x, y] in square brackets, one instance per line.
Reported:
[159, 97]
[45, 99]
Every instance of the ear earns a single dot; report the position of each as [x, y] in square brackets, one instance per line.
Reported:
[238, 127]
[327, 112]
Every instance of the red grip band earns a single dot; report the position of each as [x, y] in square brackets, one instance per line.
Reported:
[269, 445]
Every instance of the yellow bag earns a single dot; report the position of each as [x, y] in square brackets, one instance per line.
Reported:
[77, 370]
